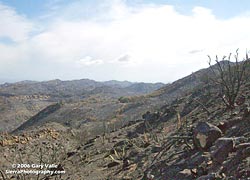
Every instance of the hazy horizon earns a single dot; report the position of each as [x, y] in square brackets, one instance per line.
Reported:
[16, 81]
[137, 41]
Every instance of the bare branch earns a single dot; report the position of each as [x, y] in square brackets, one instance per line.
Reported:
[229, 76]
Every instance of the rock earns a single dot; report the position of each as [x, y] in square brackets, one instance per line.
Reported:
[225, 125]
[205, 134]
[223, 146]
[242, 152]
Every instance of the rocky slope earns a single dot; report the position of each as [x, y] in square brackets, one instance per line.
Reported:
[189, 135]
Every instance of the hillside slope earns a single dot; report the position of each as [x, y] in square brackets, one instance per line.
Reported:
[162, 146]
[188, 136]
[105, 105]
[22, 100]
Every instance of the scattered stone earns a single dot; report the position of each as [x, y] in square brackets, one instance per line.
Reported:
[205, 134]
[223, 146]
[242, 152]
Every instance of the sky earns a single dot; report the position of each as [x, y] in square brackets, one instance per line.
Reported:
[135, 40]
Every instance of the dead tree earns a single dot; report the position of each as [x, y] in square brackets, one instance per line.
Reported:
[229, 77]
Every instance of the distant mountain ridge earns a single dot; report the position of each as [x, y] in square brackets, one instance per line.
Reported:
[75, 87]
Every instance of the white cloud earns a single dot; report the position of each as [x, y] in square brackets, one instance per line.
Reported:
[124, 58]
[88, 61]
[13, 26]
[140, 43]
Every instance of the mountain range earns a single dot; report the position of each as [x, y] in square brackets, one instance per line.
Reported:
[21, 100]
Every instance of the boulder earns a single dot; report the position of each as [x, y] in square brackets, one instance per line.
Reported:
[226, 125]
[205, 134]
[223, 146]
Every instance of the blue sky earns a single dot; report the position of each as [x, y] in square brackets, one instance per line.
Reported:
[136, 40]
[221, 8]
